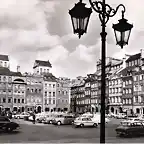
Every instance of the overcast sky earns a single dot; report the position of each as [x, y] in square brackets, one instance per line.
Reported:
[41, 29]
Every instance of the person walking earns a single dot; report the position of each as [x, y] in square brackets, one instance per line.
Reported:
[34, 118]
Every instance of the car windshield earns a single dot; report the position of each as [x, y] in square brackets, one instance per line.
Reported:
[125, 123]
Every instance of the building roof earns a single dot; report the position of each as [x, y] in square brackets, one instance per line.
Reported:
[50, 77]
[42, 63]
[7, 72]
[4, 57]
[4, 71]
[134, 57]
[16, 74]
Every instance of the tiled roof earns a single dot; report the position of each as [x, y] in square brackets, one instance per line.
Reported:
[4, 71]
[4, 57]
[134, 57]
[125, 71]
[16, 74]
[43, 63]
[50, 77]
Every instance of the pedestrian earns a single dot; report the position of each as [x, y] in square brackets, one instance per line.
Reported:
[34, 118]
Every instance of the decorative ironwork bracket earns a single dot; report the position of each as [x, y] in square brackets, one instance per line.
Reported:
[97, 6]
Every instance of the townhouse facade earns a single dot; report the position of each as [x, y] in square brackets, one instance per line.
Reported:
[49, 92]
[63, 94]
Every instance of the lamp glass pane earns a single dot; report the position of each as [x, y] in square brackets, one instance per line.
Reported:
[126, 36]
[85, 23]
[118, 36]
[74, 23]
[77, 20]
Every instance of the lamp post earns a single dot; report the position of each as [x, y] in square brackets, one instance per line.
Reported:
[80, 17]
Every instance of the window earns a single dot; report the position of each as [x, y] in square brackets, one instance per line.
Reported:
[5, 64]
[59, 92]
[22, 100]
[18, 100]
[45, 101]
[35, 90]
[53, 85]
[39, 90]
[45, 93]
[49, 93]
[4, 100]
[49, 85]
[45, 85]
[40, 70]
[31, 90]
[4, 78]
[54, 94]
[53, 101]
[15, 100]
[57, 85]
[49, 101]
[27, 89]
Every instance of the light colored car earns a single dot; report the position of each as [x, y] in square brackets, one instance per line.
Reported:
[63, 119]
[48, 119]
[84, 121]
[96, 118]
[21, 115]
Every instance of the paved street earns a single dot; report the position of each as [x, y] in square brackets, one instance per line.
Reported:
[56, 134]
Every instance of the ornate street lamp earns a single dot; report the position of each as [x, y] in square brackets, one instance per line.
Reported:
[122, 31]
[80, 17]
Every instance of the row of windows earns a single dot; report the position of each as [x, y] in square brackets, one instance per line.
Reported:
[9, 100]
[115, 100]
[50, 101]
[132, 63]
[5, 91]
[115, 82]
[127, 82]
[50, 94]
[34, 90]
[62, 100]
[50, 85]
[62, 92]
[4, 78]
[34, 100]
[86, 101]
[127, 101]
[80, 95]
[127, 91]
[138, 77]
[115, 90]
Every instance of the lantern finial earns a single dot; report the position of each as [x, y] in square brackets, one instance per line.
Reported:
[123, 14]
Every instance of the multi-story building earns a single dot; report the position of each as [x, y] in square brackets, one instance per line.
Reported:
[95, 101]
[49, 92]
[78, 99]
[19, 91]
[34, 92]
[63, 94]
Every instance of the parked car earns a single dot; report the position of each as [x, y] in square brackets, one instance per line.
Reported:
[96, 118]
[21, 115]
[7, 125]
[63, 119]
[48, 119]
[84, 122]
[130, 128]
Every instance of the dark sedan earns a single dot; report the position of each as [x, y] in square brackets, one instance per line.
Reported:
[129, 128]
[7, 125]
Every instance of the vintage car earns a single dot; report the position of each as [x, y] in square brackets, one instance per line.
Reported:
[21, 115]
[84, 122]
[7, 125]
[130, 128]
[63, 119]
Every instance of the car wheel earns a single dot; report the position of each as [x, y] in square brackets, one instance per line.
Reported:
[18, 117]
[81, 125]
[95, 125]
[8, 129]
[58, 123]
[50, 122]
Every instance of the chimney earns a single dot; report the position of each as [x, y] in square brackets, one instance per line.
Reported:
[18, 68]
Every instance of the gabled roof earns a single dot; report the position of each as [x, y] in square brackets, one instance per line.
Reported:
[42, 63]
[16, 74]
[5, 71]
[50, 77]
[4, 57]
[134, 57]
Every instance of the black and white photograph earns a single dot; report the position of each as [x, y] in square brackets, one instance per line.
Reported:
[71, 71]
